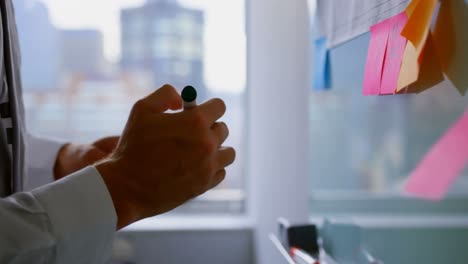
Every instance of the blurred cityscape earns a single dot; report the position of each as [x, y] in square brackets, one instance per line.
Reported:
[73, 92]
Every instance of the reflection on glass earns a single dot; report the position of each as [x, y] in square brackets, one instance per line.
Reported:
[373, 143]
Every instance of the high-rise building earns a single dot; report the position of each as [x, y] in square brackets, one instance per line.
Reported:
[39, 42]
[81, 52]
[165, 40]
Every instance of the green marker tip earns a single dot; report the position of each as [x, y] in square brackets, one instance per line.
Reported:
[189, 94]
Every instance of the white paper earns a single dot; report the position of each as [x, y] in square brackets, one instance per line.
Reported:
[342, 20]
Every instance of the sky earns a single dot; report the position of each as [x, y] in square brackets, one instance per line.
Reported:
[225, 47]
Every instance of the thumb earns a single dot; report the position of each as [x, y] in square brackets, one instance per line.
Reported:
[163, 99]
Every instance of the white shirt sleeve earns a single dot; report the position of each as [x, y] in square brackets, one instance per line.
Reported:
[72, 220]
[41, 154]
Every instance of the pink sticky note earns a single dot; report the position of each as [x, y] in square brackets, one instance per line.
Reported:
[394, 55]
[375, 59]
[442, 165]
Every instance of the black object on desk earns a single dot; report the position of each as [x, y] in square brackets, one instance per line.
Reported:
[304, 237]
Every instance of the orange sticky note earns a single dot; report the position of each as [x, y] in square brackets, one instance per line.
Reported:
[416, 30]
[418, 26]
[411, 7]
[451, 41]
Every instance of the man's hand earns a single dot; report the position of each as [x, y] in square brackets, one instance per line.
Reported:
[73, 157]
[165, 159]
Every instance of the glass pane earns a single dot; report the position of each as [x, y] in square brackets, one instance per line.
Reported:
[364, 148]
[83, 68]
[373, 143]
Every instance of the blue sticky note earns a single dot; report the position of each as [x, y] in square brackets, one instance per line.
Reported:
[322, 70]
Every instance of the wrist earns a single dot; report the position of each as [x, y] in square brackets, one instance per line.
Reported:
[114, 178]
[59, 162]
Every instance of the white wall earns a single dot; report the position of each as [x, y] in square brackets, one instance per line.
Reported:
[278, 89]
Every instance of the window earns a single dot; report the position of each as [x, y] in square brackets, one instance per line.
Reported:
[81, 106]
[364, 148]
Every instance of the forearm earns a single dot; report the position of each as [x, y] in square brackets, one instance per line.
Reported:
[71, 220]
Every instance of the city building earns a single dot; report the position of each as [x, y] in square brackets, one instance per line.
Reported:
[39, 41]
[82, 52]
[165, 40]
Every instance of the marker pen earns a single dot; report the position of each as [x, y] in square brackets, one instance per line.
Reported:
[189, 95]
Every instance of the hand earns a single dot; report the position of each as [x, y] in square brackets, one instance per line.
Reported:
[165, 159]
[73, 157]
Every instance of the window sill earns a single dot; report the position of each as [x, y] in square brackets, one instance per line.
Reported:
[401, 221]
[191, 223]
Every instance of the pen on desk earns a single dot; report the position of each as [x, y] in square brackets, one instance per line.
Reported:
[189, 96]
[302, 257]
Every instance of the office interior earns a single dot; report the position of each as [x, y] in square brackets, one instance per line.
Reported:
[303, 155]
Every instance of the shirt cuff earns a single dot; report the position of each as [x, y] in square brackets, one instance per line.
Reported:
[40, 159]
[82, 216]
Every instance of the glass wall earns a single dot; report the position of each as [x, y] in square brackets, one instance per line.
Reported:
[363, 149]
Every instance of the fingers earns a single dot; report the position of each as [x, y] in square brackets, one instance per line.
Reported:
[163, 99]
[212, 110]
[225, 157]
[221, 132]
[217, 179]
[107, 144]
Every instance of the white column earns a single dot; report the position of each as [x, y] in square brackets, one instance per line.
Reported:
[278, 89]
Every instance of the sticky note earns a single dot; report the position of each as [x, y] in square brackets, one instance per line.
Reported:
[451, 41]
[431, 72]
[375, 58]
[394, 54]
[409, 71]
[419, 22]
[416, 30]
[411, 7]
[322, 70]
[442, 164]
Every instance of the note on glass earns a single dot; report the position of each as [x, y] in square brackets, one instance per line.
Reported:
[419, 22]
[451, 41]
[322, 74]
[342, 20]
[442, 165]
[431, 72]
[416, 30]
[375, 58]
[394, 54]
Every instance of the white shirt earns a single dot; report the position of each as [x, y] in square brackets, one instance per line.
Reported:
[69, 221]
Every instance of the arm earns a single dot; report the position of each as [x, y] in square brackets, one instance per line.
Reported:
[162, 160]
[71, 219]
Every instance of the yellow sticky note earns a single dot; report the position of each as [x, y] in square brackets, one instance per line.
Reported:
[416, 30]
[451, 41]
[409, 71]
